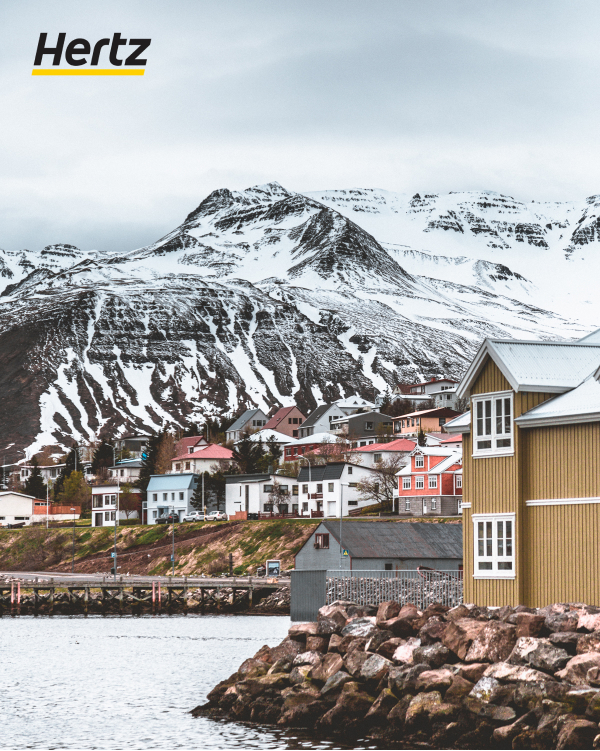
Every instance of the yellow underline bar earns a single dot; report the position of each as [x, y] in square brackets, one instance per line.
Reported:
[87, 72]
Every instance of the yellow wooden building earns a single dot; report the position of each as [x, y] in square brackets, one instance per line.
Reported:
[531, 467]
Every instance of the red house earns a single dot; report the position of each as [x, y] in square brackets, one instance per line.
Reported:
[286, 420]
[431, 484]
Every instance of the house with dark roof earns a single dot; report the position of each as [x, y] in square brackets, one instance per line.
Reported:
[531, 466]
[382, 546]
[331, 489]
[260, 496]
[250, 420]
[320, 420]
[362, 428]
[286, 420]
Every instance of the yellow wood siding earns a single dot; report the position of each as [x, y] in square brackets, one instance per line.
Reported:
[563, 554]
[494, 485]
[562, 462]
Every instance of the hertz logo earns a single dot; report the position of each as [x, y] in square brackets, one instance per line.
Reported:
[76, 55]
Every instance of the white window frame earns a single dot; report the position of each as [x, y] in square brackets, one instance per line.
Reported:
[432, 482]
[434, 504]
[460, 506]
[458, 481]
[420, 482]
[406, 483]
[419, 461]
[494, 435]
[498, 551]
[407, 504]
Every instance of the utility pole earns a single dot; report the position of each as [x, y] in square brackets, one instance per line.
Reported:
[173, 551]
[47, 490]
[73, 545]
[203, 503]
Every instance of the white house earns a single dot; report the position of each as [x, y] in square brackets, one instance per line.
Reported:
[15, 508]
[104, 505]
[247, 496]
[320, 420]
[170, 493]
[251, 419]
[330, 489]
[266, 434]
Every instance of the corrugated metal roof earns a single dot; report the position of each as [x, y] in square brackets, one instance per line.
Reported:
[399, 539]
[593, 338]
[232, 479]
[314, 438]
[171, 482]
[555, 364]
[580, 403]
[241, 421]
[400, 444]
[315, 416]
[322, 472]
[460, 424]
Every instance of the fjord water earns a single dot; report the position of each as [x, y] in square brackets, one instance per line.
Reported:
[116, 683]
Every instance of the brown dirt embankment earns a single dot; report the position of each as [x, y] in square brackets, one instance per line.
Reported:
[199, 548]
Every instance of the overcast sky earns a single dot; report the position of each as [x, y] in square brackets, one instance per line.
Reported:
[406, 96]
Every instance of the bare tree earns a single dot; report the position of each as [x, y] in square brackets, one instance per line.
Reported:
[278, 496]
[382, 485]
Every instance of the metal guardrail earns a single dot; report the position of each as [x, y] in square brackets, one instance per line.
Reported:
[422, 588]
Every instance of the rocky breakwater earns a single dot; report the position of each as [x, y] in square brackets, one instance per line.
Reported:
[466, 677]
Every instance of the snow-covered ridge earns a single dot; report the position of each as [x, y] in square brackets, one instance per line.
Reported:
[269, 297]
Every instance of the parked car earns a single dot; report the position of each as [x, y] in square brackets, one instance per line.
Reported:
[195, 516]
[216, 516]
[168, 519]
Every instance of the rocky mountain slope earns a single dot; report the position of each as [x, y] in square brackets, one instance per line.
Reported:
[267, 297]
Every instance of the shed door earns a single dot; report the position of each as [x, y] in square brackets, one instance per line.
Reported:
[424, 506]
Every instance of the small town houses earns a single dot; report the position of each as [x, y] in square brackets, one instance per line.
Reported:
[431, 484]
[531, 464]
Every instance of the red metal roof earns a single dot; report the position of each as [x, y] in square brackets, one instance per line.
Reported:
[453, 439]
[400, 444]
[212, 451]
[280, 415]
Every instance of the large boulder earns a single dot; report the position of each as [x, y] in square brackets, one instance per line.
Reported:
[399, 626]
[317, 643]
[590, 621]
[253, 668]
[300, 710]
[432, 630]
[379, 637]
[374, 668]
[404, 653]
[403, 680]
[473, 671]
[541, 654]
[299, 674]
[529, 624]
[434, 680]
[381, 707]
[589, 643]
[387, 610]
[425, 709]
[388, 648]
[335, 683]
[353, 702]
[493, 643]
[459, 688]
[434, 655]
[460, 634]
[360, 627]
[330, 665]
[288, 648]
[566, 640]
[354, 661]
[562, 621]
[308, 658]
[577, 734]
[300, 631]
[504, 671]
[575, 671]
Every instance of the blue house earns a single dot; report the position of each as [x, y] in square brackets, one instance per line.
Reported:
[170, 493]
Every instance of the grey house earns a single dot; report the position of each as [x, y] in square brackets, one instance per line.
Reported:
[252, 419]
[362, 427]
[382, 546]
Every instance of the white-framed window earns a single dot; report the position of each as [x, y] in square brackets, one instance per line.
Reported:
[330, 487]
[407, 504]
[154, 514]
[493, 423]
[406, 483]
[432, 481]
[155, 497]
[419, 461]
[458, 481]
[376, 458]
[181, 496]
[434, 504]
[349, 470]
[419, 482]
[459, 506]
[494, 543]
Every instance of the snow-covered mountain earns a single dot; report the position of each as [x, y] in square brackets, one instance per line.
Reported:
[268, 297]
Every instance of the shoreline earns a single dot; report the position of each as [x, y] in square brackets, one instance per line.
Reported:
[466, 677]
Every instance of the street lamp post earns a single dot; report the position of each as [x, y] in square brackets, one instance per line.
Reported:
[342, 484]
[73, 545]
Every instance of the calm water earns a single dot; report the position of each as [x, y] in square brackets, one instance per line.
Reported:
[112, 683]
